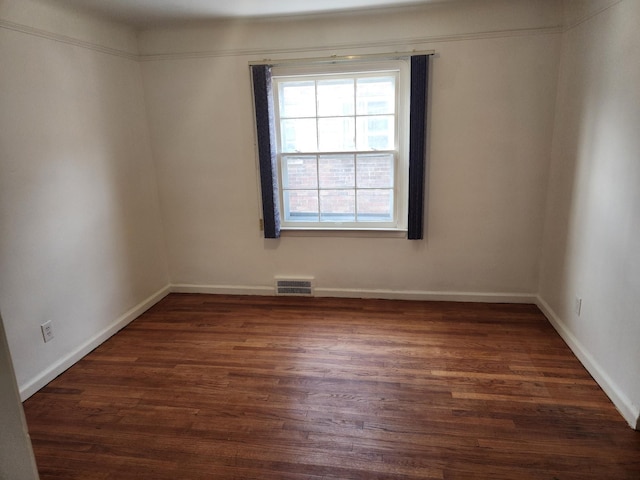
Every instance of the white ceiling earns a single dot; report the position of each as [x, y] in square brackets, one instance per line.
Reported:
[140, 13]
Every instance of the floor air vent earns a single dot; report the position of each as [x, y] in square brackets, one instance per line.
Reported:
[294, 287]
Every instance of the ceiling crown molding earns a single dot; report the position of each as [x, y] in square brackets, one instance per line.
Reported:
[56, 37]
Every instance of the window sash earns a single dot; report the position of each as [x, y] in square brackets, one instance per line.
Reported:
[357, 219]
[317, 117]
[360, 74]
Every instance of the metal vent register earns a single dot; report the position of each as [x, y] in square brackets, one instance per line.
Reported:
[294, 287]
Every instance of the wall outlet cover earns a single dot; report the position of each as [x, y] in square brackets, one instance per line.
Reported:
[47, 331]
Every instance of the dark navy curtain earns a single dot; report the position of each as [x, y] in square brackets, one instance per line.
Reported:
[417, 144]
[263, 98]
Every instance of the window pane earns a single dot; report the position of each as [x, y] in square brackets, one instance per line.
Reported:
[299, 172]
[337, 171]
[301, 205]
[336, 133]
[375, 205]
[375, 171]
[337, 206]
[375, 133]
[336, 97]
[297, 99]
[376, 95]
[299, 135]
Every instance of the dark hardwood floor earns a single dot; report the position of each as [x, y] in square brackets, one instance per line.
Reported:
[226, 387]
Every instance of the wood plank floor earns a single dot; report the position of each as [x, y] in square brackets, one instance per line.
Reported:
[227, 387]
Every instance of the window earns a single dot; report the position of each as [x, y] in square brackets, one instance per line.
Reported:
[339, 146]
[334, 145]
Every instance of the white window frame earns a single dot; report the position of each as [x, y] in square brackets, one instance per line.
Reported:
[401, 67]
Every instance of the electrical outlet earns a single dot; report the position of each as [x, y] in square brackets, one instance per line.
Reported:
[47, 331]
[578, 306]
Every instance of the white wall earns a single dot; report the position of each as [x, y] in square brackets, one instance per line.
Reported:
[592, 232]
[494, 82]
[81, 241]
[16, 455]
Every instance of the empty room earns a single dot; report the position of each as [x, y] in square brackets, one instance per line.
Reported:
[342, 239]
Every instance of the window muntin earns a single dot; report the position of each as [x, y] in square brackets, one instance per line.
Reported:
[341, 147]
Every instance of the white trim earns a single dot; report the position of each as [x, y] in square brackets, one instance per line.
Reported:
[310, 70]
[405, 43]
[484, 297]
[269, 54]
[423, 295]
[365, 57]
[56, 37]
[343, 232]
[629, 411]
[589, 16]
[625, 406]
[223, 289]
[36, 383]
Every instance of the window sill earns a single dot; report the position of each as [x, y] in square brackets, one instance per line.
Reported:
[343, 232]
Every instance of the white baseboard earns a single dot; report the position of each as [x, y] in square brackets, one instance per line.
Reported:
[35, 384]
[422, 295]
[630, 412]
[223, 289]
[364, 293]
[627, 409]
